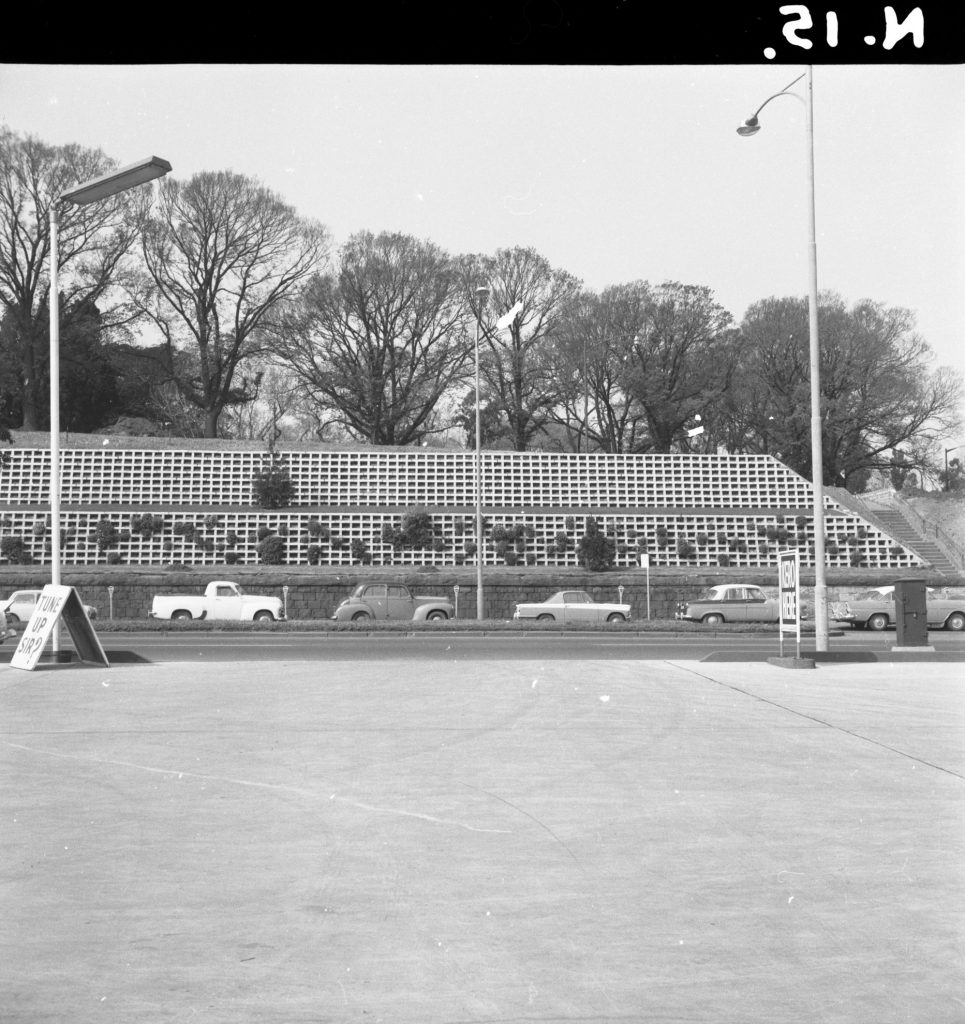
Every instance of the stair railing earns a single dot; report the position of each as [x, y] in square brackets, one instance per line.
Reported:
[927, 528]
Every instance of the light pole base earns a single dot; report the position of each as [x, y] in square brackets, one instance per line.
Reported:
[790, 662]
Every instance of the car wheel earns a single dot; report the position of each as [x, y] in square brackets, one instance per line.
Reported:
[546, 618]
[361, 617]
[877, 622]
[436, 616]
[616, 617]
[955, 621]
[181, 615]
[264, 616]
[11, 618]
[714, 619]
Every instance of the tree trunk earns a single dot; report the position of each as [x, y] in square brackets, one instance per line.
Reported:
[211, 422]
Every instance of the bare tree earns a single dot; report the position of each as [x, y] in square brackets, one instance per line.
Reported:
[94, 240]
[223, 253]
[879, 392]
[595, 350]
[381, 339]
[519, 366]
[683, 359]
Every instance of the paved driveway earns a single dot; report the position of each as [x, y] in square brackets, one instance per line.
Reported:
[508, 841]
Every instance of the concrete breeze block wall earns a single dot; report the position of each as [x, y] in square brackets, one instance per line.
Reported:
[681, 510]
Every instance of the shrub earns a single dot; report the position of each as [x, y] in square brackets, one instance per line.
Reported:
[232, 558]
[210, 522]
[470, 548]
[314, 554]
[702, 539]
[114, 558]
[231, 539]
[104, 535]
[271, 551]
[723, 560]
[39, 529]
[722, 538]
[562, 541]
[15, 550]
[360, 552]
[685, 549]
[186, 530]
[317, 531]
[415, 531]
[264, 532]
[271, 486]
[595, 551]
[147, 525]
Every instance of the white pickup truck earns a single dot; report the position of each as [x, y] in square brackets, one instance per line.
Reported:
[221, 600]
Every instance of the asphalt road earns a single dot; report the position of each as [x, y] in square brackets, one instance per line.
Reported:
[161, 648]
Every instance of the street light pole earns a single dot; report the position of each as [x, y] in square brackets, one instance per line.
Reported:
[750, 127]
[482, 296]
[90, 191]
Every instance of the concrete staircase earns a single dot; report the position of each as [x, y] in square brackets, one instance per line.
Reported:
[907, 531]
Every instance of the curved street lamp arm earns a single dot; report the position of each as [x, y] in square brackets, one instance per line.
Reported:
[783, 92]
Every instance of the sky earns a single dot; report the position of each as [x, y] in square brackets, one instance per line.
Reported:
[614, 173]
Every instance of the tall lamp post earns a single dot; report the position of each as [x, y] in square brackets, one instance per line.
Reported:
[482, 296]
[750, 127]
[91, 191]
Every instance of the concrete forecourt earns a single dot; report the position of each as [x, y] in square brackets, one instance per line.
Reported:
[420, 842]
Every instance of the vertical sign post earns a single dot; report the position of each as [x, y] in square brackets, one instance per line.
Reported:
[789, 596]
[645, 564]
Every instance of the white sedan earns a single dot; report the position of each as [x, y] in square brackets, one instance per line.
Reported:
[572, 606]
[20, 605]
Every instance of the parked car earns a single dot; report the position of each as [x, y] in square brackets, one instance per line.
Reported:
[20, 605]
[872, 609]
[391, 601]
[730, 602]
[221, 600]
[572, 606]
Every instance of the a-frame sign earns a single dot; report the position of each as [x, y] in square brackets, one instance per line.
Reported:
[58, 602]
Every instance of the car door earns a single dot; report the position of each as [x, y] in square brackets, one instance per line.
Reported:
[398, 603]
[735, 604]
[225, 605]
[577, 606]
[376, 597]
[756, 606]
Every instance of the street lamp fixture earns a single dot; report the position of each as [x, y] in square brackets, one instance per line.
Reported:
[91, 191]
[482, 297]
[750, 127]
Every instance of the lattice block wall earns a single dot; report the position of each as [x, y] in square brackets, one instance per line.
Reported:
[747, 540]
[403, 477]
